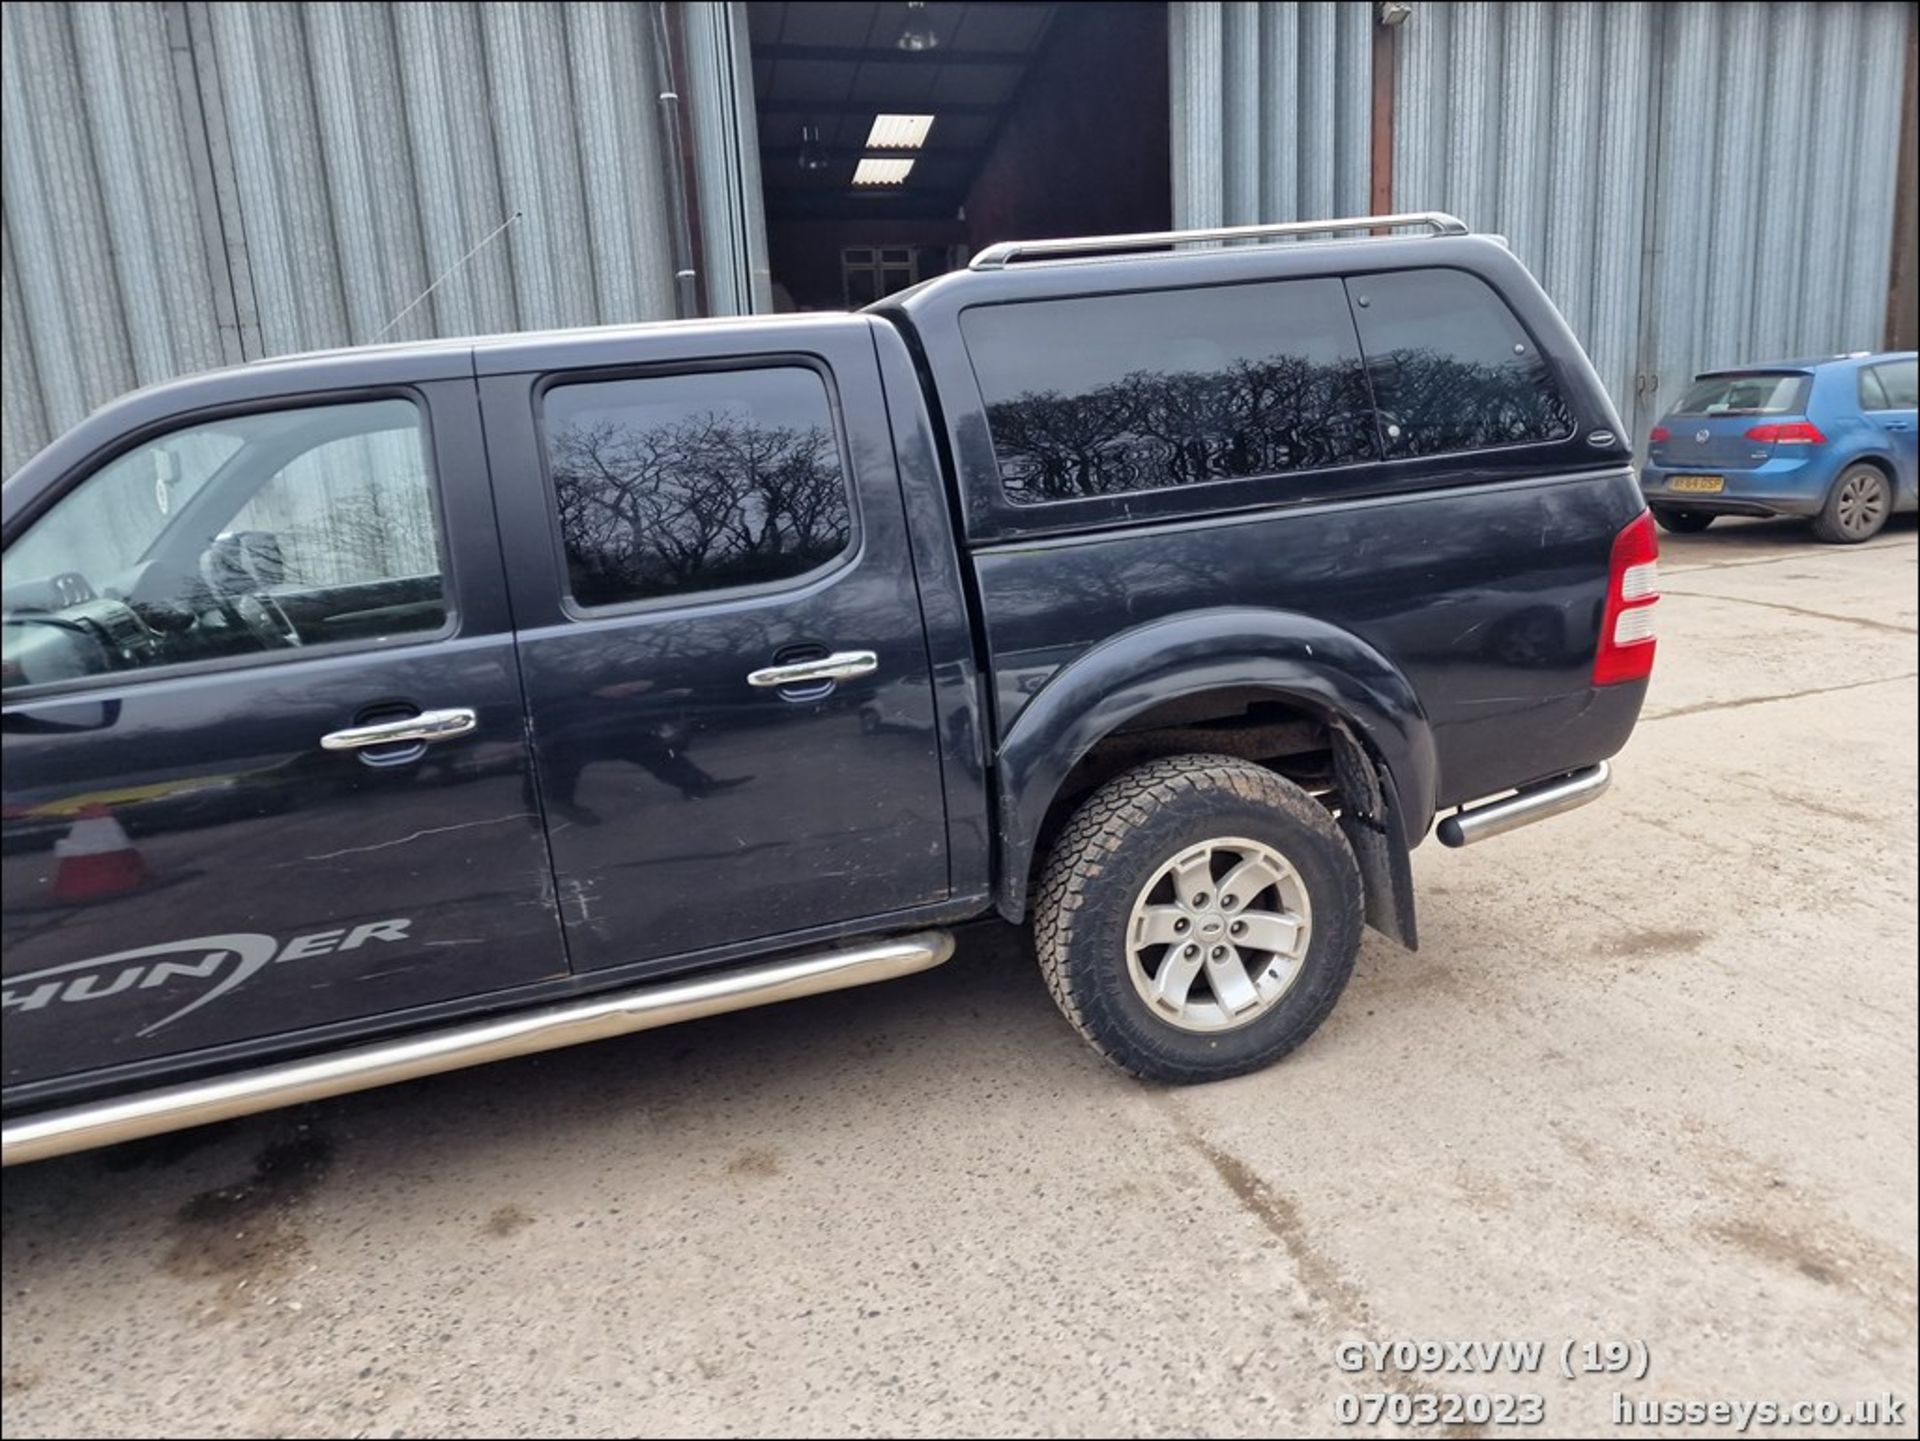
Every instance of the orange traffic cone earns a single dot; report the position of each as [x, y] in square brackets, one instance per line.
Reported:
[96, 859]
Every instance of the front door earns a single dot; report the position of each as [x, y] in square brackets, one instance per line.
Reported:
[720, 637]
[208, 839]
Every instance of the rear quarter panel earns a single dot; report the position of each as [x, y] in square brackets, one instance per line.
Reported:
[1487, 598]
[1479, 576]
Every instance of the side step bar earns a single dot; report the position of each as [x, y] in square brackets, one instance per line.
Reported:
[1523, 808]
[174, 1108]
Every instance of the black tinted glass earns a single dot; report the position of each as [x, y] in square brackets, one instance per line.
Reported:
[1118, 393]
[684, 483]
[1452, 368]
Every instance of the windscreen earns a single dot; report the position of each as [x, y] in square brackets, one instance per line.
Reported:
[1755, 394]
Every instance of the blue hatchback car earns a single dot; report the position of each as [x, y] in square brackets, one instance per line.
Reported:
[1830, 439]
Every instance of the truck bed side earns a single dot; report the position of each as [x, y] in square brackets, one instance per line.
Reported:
[1441, 609]
[1487, 598]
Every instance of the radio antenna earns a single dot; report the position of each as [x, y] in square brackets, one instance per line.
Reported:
[479, 246]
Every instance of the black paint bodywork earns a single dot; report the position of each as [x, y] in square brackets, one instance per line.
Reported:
[833, 809]
[1444, 610]
[1447, 607]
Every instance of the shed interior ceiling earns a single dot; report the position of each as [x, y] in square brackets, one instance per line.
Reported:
[838, 66]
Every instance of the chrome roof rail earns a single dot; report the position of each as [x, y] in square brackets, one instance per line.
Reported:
[999, 256]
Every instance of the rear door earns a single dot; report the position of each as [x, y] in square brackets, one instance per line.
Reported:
[726, 670]
[202, 847]
[1887, 394]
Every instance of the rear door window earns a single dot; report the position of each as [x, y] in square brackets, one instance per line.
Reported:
[1750, 394]
[1899, 384]
[1452, 367]
[676, 485]
[1104, 395]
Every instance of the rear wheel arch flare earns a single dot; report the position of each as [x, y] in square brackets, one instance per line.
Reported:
[1314, 668]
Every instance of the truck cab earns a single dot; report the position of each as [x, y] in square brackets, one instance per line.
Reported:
[376, 712]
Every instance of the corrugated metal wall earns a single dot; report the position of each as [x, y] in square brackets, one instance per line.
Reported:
[188, 184]
[726, 153]
[192, 184]
[1695, 184]
[108, 282]
[1533, 121]
[1271, 110]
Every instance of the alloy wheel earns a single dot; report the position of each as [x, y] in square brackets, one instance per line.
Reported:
[1219, 934]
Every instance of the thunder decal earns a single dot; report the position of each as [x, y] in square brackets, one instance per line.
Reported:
[226, 960]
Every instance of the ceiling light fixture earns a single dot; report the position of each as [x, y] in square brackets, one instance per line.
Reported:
[899, 132]
[813, 155]
[874, 171]
[919, 33]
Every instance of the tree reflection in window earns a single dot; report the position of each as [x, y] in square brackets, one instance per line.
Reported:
[1101, 395]
[1149, 430]
[1094, 396]
[1431, 403]
[677, 484]
[1452, 368]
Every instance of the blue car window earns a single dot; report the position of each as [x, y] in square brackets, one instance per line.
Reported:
[1750, 393]
[1899, 382]
[1873, 395]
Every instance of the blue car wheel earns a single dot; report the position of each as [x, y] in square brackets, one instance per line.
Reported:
[1857, 507]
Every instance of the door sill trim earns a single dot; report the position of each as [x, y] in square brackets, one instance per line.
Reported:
[450, 1048]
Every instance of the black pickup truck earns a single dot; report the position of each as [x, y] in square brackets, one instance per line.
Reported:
[378, 712]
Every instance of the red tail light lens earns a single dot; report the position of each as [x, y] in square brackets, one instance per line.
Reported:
[1791, 432]
[1633, 586]
[1659, 433]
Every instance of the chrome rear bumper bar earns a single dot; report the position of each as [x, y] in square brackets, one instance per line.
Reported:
[174, 1108]
[1523, 808]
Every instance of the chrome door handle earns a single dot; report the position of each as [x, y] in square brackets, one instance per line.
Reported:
[429, 725]
[841, 665]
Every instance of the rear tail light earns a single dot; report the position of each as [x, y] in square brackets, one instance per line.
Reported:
[1633, 586]
[1790, 432]
[1658, 434]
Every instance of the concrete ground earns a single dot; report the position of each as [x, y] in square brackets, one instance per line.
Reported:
[1651, 1079]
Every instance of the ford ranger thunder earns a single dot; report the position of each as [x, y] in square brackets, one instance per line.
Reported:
[377, 712]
